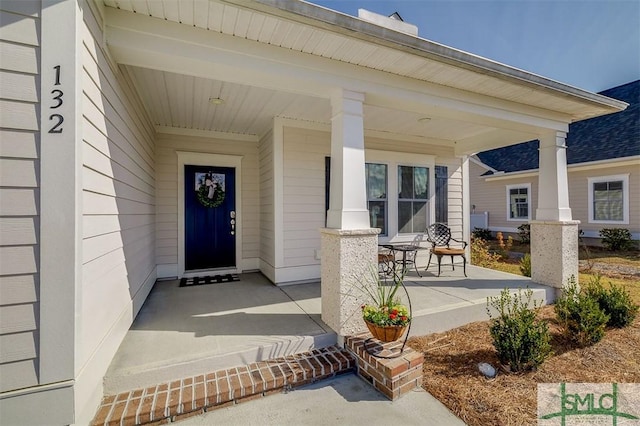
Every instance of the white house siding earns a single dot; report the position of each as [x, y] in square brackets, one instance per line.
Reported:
[167, 193]
[454, 192]
[304, 153]
[118, 181]
[304, 192]
[267, 209]
[579, 199]
[19, 194]
[491, 196]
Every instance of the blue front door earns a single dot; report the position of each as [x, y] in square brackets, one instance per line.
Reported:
[210, 217]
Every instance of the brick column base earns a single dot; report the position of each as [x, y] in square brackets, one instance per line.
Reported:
[392, 377]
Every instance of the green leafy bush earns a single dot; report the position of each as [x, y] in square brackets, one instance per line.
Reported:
[482, 233]
[524, 232]
[521, 341]
[525, 265]
[480, 254]
[615, 239]
[580, 315]
[615, 302]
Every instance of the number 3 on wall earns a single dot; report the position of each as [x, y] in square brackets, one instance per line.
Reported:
[57, 94]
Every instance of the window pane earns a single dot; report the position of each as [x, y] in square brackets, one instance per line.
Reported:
[518, 203]
[600, 210]
[615, 186]
[378, 215]
[608, 201]
[600, 186]
[421, 179]
[404, 217]
[615, 210]
[419, 216]
[376, 181]
[405, 182]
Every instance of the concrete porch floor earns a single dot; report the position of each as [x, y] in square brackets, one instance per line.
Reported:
[186, 331]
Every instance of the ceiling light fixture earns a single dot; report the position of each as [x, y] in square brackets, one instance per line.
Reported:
[216, 101]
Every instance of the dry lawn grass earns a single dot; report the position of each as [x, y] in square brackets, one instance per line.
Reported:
[451, 374]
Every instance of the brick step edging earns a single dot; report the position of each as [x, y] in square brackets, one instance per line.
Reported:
[190, 396]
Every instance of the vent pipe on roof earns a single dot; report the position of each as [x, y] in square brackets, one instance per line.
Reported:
[393, 22]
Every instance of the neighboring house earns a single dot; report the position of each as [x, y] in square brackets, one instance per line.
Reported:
[603, 157]
[146, 139]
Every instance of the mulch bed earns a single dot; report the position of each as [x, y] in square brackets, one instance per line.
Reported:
[451, 374]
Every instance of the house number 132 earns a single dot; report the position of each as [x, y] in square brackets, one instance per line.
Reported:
[57, 99]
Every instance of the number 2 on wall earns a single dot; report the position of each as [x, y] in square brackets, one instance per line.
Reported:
[57, 94]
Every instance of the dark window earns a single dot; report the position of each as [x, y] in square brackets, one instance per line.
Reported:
[442, 195]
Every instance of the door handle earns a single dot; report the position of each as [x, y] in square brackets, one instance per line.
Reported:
[233, 222]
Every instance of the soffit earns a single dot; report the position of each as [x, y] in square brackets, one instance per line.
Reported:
[275, 30]
[182, 101]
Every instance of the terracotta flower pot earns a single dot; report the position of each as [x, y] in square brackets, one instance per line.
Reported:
[387, 333]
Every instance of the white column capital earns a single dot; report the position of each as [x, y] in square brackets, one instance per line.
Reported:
[346, 102]
[553, 140]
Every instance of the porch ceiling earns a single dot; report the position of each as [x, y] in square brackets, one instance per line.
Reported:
[182, 101]
[269, 58]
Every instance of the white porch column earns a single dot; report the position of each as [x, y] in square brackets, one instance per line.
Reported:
[349, 245]
[348, 197]
[554, 235]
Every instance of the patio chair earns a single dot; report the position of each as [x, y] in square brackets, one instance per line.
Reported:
[386, 260]
[439, 235]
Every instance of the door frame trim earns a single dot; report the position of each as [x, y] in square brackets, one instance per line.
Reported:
[214, 160]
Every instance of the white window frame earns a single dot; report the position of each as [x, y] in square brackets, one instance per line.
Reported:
[527, 186]
[430, 200]
[625, 198]
[393, 160]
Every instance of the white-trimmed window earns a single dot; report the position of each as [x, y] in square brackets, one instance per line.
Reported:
[413, 195]
[609, 199]
[377, 195]
[519, 202]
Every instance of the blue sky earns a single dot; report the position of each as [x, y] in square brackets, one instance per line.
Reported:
[590, 44]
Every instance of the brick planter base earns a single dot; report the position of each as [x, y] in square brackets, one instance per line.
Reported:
[392, 377]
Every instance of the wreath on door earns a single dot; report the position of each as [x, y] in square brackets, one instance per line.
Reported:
[210, 193]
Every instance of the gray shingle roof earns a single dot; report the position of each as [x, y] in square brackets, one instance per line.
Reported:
[611, 136]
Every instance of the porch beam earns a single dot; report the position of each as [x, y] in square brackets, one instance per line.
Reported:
[151, 43]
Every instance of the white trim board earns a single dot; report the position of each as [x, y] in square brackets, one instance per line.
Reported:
[203, 159]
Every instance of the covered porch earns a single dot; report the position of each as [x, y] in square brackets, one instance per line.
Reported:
[186, 331]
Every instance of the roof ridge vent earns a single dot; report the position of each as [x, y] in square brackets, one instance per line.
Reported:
[393, 22]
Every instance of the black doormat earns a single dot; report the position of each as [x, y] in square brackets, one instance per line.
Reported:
[211, 279]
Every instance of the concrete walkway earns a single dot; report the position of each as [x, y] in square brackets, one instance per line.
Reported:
[345, 400]
[182, 332]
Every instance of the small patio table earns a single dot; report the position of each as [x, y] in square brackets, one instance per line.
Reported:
[405, 248]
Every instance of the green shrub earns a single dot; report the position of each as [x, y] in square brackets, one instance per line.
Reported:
[525, 265]
[480, 254]
[615, 302]
[580, 315]
[524, 232]
[615, 239]
[521, 341]
[482, 233]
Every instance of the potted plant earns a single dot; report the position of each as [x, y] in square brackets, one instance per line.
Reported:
[385, 316]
